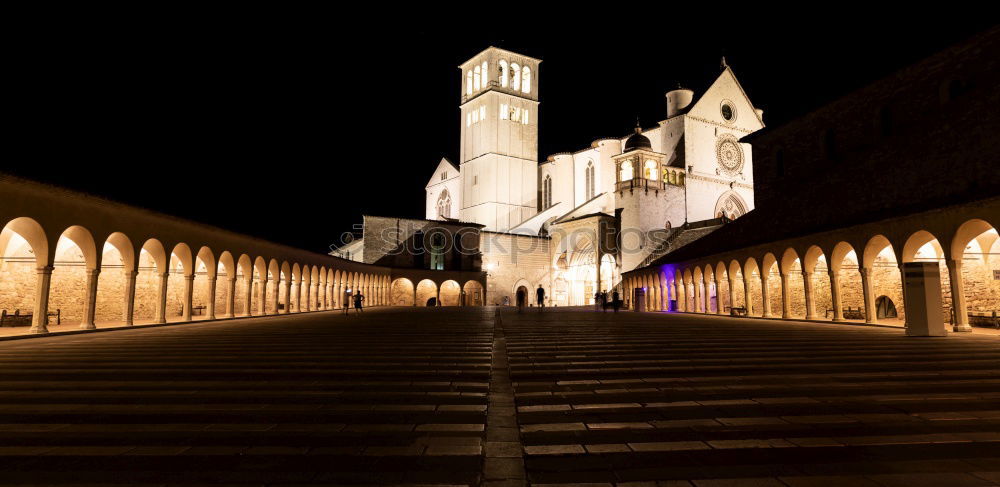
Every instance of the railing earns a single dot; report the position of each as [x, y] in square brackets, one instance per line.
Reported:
[639, 183]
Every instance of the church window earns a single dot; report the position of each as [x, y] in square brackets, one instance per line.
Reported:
[437, 251]
[475, 78]
[468, 83]
[590, 180]
[516, 114]
[503, 73]
[728, 111]
[482, 112]
[475, 180]
[526, 80]
[547, 193]
[625, 170]
[524, 116]
[649, 170]
[515, 79]
[444, 205]
[475, 116]
[444, 175]
[468, 119]
[504, 111]
[486, 75]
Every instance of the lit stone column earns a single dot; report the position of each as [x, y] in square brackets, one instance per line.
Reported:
[40, 320]
[868, 293]
[338, 290]
[786, 306]
[188, 296]
[129, 310]
[732, 292]
[414, 296]
[161, 308]
[437, 296]
[807, 286]
[247, 308]
[288, 296]
[231, 298]
[211, 297]
[91, 303]
[838, 312]
[275, 283]
[961, 323]
[765, 296]
[718, 296]
[597, 285]
[262, 296]
[902, 294]
[746, 295]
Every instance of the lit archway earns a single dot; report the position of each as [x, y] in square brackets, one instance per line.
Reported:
[116, 286]
[473, 294]
[450, 293]
[402, 292]
[426, 293]
[25, 252]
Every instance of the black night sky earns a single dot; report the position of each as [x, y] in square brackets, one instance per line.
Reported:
[290, 128]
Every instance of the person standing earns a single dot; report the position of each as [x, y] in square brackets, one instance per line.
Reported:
[358, 299]
[604, 301]
[614, 300]
[522, 300]
[540, 297]
[597, 301]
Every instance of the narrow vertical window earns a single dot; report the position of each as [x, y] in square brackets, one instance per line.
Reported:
[524, 117]
[482, 112]
[547, 192]
[504, 111]
[503, 73]
[468, 119]
[468, 83]
[486, 75]
[475, 78]
[590, 180]
[515, 79]
[526, 80]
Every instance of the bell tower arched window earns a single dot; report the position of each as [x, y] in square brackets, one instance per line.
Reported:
[486, 75]
[515, 70]
[468, 83]
[444, 205]
[503, 73]
[590, 180]
[649, 170]
[625, 170]
[526, 80]
[475, 78]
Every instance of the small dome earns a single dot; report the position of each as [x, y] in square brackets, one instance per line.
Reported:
[637, 141]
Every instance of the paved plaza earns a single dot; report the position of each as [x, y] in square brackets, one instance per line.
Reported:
[476, 397]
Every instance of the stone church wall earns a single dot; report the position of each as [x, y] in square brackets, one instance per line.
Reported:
[513, 260]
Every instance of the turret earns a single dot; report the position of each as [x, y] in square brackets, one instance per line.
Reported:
[678, 100]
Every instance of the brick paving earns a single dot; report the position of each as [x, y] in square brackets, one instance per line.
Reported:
[471, 397]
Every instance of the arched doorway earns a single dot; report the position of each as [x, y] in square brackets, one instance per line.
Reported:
[401, 292]
[426, 293]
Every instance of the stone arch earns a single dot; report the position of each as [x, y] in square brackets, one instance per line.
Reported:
[771, 275]
[74, 260]
[753, 287]
[426, 290]
[205, 274]
[402, 292]
[225, 284]
[296, 286]
[473, 294]
[284, 288]
[846, 283]
[24, 249]
[116, 286]
[881, 265]
[699, 290]
[450, 293]
[271, 291]
[181, 274]
[793, 288]
[737, 287]
[244, 288]
[973, 266]
[816, 283]
[151, 282]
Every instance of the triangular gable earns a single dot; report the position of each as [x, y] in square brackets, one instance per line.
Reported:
[444, 165]
[727, 87]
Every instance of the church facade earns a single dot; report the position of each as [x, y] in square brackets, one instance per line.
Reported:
[574, 222]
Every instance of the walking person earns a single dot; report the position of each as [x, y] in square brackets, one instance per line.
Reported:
[614, 300]
[346, 302]
[597, 301]
[540, 297]
[522, 300]
[604, 301]
[358, 299]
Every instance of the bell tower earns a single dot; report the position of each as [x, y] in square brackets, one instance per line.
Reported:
[499, 144]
